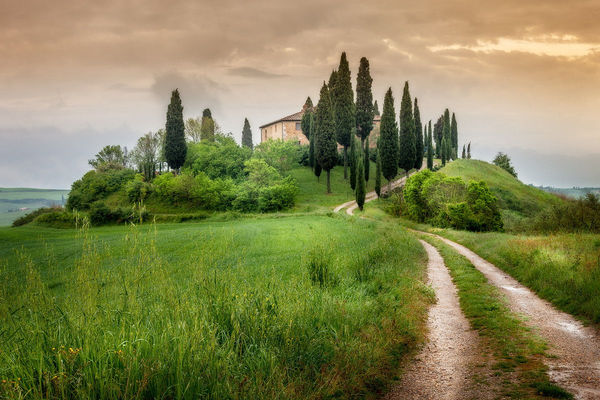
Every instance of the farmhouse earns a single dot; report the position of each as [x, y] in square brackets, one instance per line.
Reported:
[288, 128]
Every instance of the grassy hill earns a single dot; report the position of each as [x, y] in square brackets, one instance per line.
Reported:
[13, 199]
[516, 199]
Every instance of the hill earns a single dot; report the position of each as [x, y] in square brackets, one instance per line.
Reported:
[16, 202]
[516, 199]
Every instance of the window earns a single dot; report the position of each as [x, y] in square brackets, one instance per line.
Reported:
[298, 126]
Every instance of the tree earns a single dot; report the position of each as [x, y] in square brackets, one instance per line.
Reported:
[206, 113]
[469, 151]
[305, 124]
[207, 129]
[109, 157]
[464, 154]
[438, 128]
[318, 170]
[332, 81]
[175, 146]
[343, 108]
[360, 180]
[378, 173]
[376, 108]
[353, 163]
[418, 136]
[193, 129]
[146, 153]
[503, 161]
[364, 101]
[407, 150]
[449, 150]
[388, 139]
[429, 148]
[443, 150]
[247, 135]
[454, 135]
[326, 146]
[311, 146]
[446, 132]
[367, 161]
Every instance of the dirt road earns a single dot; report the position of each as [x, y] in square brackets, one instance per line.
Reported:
[350, 206]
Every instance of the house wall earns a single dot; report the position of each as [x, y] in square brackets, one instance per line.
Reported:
[284, 130]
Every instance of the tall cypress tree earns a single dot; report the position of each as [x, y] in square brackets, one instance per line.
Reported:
[305, 123]
[332, 81]
[311, 135]
[454, 135]
[366, 159]
[175, 146]
[353, 163]
[364, 101]
[360, 180]
[449, 150]
[247, 134]
[438, 128]
[343, 107]
[376, 108]
[443, 150]
[407, 149]
[464, 154]
[326, 146]
[469, 151]
[378, 173]
[418, 136]
[388, 139]
[429, 148]
[446, 132]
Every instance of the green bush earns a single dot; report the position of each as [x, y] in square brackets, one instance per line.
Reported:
[582, 215]
[95, 185]
[29, 217]
[277, 197]
[137, 190]
[282, 155]
[218, 160]
[57, 219]
[101, 214]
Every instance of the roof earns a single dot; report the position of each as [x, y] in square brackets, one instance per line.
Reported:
[297, 117]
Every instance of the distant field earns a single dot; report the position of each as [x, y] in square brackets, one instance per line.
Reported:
[13, 199]
[574, 192]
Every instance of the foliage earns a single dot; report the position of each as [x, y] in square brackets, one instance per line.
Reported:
[282, 155]
[375, 108]
[193, 129]
[360, 180]
[353, 166]
[446, 136]
[222, 158]
[137, 190]
[447, 202]
[418, 137]
[196, 190]
[109, 157]
[311, 137]
[208, 129]
[503, 161]
[29, 217]
[378, 175]
[429, 148]
[326, 148]
[343, 103]
[306, 122]
[580, 215]
[247, 135]
[101, 214]
[367, 160]
[146, 153]
[365, 110]
[58, 218]
[96, 185]
[454, 135]
[175, 146]
[407, 151]
[388, 139]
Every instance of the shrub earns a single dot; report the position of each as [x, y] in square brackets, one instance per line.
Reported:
[57, 219]
[282, 155]
[137, 190]
[582, 215]
[29, 217]
[96, 185]
[220, 159]
[277, 197]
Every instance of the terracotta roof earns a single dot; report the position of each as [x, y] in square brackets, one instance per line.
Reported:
[298, 118]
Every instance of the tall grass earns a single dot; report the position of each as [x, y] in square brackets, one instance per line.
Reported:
[212, 314]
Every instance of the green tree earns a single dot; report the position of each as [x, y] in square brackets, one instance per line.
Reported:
[429, 148]
[332, 82]
[418, 137]
[343, 108]
[311, 146]
[109, 156]
[464, 154]
[443, 150]
[360, 180]
[145, 154]
[388, 139]
[378, 173]
[376, 108]
[449, 150]
[366, 159]
[207, 129]
[193, 129]
[247, 135]
[318, 170]
[305, 124]
[438, 129]
[364, 101]
[353, 163]
[503, 161]
[326, 145]
[175, 146]
[407, 149]
[454, 135]
[206, 113]
[446, 132]
[469, 151]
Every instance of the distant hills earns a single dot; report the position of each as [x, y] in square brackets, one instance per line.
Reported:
[16, 202]
[574, 192]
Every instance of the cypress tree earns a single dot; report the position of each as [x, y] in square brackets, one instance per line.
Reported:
[446, 132]
[360, 181]
[343, 107]
[332, 81]
[464, 155]
[407, 148]
[318, 170]
[418, 137]
[326, 147]
[378, 173]
[305, 124]
[449, 150]
[364, 101]
[207, 128]
[376, 108]
[353, 163]
[454, 134]
[367, 161]
[438, 128]
[247, 134]
[311, 146]
[469, 151]
[443, 150]
[388, 139]
[206, 113]
[429, 148]
[175, 146]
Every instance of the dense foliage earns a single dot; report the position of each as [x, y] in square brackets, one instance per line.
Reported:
[419, 145]
[388, 138]
[175, 146]
[581, 215]
[364, 100]
[503, 161]
[449, 202]
[342, 99]
[247, 135]
[407, 151]
[326, 149]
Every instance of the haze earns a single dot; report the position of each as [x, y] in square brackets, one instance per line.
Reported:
[75, 76]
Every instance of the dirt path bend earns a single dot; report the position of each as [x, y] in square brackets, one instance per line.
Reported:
[577, 366]
[351, 205]
[441, 370]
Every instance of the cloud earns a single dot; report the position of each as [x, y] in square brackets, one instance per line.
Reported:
[249, 72]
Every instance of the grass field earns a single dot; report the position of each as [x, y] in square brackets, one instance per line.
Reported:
[11, 199]
[302, 307]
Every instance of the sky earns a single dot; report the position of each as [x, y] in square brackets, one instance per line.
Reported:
[523, 77]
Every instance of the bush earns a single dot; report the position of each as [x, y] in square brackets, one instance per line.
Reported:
[282, 155]
[198, 191]
[277, 197]
[57, 219]
[101, 214]
[582, 215]
[218, 160]
[30, 217]
[137, 190]
[95, 185]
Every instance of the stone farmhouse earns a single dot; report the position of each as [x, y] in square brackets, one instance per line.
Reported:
[288, 128]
